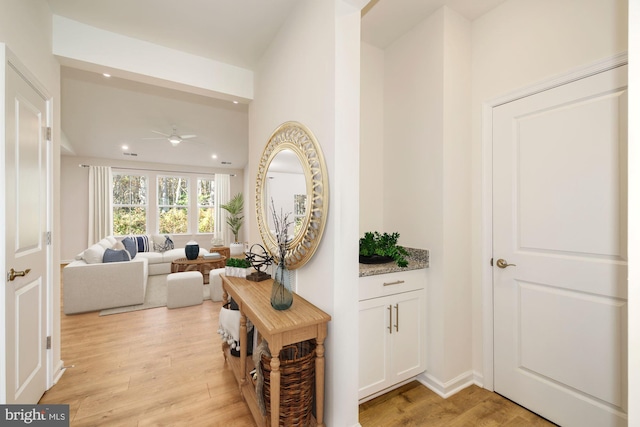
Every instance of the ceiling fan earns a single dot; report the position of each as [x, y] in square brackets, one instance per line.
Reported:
[174, 138]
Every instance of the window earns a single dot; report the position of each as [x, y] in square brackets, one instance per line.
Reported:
[173, 205]
[299, 211]
[129, 204]
[206, 205]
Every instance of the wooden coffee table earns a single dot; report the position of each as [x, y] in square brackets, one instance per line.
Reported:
[200, 264]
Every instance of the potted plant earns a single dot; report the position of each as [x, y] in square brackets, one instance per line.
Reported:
[237, 267]
[234, 221]
[376, 248]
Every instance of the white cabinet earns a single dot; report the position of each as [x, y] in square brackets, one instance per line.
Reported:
[392, 330]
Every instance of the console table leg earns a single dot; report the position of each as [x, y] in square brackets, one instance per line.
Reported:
[275, 389]
[243, 348]
[320, 380]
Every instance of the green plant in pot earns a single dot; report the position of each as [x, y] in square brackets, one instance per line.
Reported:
[235, 207]
[377, 248]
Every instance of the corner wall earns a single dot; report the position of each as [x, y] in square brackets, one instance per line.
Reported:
[371, 139]
[310, 74]
[427, 91]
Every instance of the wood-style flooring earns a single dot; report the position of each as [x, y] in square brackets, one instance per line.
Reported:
[415, 405]
[155, 367]
[163, 367]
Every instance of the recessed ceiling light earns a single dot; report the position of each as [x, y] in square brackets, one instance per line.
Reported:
[125, 147]
[107, 75]
[235, 102]
[213, 156]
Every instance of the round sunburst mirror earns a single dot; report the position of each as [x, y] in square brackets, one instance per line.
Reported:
[292, 180]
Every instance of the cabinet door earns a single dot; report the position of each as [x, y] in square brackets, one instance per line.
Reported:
[374, 349]
[408, 337]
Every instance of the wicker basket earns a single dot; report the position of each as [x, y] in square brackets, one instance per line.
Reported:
[297, 380]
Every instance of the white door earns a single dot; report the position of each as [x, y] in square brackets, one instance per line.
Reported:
[559, 216]
[26, 251]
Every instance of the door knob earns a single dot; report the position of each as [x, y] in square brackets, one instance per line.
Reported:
[13, 274]
[503, 264]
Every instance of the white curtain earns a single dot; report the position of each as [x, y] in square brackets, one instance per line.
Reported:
[100, 197]
[223, 194]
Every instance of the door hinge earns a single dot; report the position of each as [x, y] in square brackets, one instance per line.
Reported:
[48, 238]
[48, 133]
[49, 343]
[491, 262]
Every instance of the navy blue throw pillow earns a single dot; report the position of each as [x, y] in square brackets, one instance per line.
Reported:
[143, 243]
[131, 246]
[116, 255]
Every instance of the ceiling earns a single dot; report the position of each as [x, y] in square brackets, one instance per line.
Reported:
[99, 115]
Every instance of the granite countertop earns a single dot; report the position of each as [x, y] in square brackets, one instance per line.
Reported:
[418, 258]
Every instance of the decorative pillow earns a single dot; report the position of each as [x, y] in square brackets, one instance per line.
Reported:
[164, 246]
[94, 254]
[131, 246]
[113, 255]
[105, 243]
[143, 243]
[118, 246]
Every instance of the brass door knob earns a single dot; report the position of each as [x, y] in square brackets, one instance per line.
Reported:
[503, 264]
[13, 274]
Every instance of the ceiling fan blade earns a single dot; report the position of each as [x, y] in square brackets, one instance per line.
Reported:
[188, 136]
[161, 133]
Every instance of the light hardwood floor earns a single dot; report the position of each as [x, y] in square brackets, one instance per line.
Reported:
[163, 367]
[415, 405]
[155, 367]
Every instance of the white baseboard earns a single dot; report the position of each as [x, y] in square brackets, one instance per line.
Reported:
[57, 373]
[451, 387]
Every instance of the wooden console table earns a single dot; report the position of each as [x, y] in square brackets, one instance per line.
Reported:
[302, 321]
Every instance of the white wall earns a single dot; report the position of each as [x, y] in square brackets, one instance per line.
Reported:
[427, 89]
[75, 199]
[520, 43]
[25, 28]
[310, 74]
[371, 139]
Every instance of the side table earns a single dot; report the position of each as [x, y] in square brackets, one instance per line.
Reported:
[200, 264]
[222, 250]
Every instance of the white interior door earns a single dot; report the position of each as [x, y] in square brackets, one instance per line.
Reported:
[26, 251]
[559, 216]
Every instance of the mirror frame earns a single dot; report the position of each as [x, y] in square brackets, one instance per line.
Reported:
[298, 138]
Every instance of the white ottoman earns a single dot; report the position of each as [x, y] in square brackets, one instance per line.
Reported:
[184, 289]
[215, 284]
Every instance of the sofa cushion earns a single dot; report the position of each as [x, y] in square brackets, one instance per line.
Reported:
[143, 243]
[116, 255]
[94, 254]
[152, 257]
[131, 246]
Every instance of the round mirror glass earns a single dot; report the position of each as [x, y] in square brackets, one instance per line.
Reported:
[292, 182]
[286, 191]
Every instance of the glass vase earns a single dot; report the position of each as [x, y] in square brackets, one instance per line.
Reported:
[281, 295]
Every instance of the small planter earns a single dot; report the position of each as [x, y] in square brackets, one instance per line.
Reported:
[375, 259]
[236, 272]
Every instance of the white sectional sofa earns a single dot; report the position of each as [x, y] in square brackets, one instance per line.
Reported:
[90, 284]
